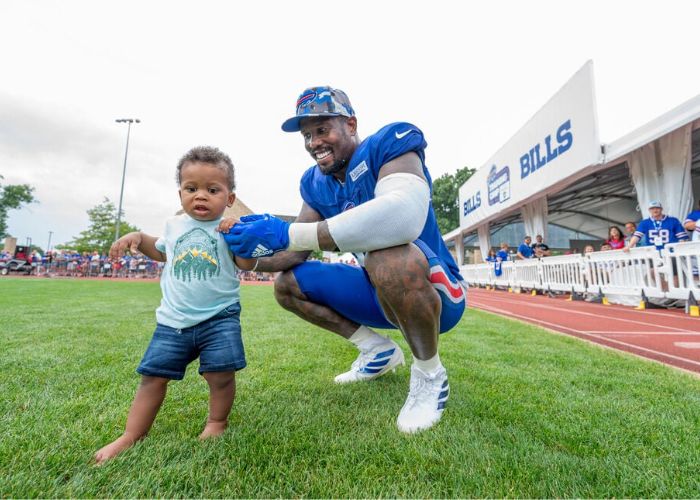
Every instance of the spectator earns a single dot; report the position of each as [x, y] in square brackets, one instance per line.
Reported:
[588, 249]
[502, 254]
[691, 221]
[491, 257]
[525, 250]
[615, 240]
[630, 228]
[658, 229]
[540, 248]
[605, 247]
[94, 263]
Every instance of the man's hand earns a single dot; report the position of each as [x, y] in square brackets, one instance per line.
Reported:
[129, 242]
[258, 236]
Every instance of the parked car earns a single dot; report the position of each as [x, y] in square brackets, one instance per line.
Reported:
[15, 266]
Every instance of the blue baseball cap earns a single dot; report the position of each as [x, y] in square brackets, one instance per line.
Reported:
[655, 204]
[319, 101]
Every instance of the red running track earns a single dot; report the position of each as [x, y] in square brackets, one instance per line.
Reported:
[668, 336]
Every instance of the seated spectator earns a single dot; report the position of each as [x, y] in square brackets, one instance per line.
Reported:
[540, 248]
[525, 251]
[615, 240]
[588, 249]
[605, 247]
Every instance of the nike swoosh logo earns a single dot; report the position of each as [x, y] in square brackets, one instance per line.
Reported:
[402, 134]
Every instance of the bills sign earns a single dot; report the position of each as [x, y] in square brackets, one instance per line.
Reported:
[559, 141]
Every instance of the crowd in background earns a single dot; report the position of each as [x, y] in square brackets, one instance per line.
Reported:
[657, 230]
[94, 264]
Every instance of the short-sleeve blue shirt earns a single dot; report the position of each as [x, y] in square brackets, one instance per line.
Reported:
[325, 194]
[660, 232]
[692, 217]
[525, 250]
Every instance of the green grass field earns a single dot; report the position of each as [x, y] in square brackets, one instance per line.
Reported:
[531, 414]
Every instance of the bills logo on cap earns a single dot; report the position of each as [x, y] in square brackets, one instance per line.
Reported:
[305, 98]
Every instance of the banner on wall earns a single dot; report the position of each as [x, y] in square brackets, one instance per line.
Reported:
[557, 142]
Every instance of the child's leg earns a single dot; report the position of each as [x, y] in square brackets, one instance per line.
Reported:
[222, 390]
[149, 397]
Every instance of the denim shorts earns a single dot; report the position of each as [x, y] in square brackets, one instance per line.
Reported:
[217, 342]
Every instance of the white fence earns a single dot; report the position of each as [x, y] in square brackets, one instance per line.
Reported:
[671, 273]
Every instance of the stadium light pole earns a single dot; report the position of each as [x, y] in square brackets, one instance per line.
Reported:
[129, 121]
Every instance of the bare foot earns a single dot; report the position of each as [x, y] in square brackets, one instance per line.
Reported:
[113, 449]
[213, 429]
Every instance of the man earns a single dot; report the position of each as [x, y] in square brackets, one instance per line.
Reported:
[691, 225]
[525, 251]
[540, 248]
[371, 198]
[658, 229]
[630, 228]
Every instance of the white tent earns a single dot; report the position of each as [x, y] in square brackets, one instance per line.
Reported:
[555, 171]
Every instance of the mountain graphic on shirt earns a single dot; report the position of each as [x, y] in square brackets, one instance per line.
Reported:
[196, 256]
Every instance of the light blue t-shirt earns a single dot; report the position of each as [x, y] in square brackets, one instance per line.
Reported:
[199, 277]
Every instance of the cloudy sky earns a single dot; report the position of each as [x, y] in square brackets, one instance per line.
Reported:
[470, 74]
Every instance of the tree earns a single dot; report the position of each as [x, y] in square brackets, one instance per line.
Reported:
[12, 196]
[446, 198]
[100, 235]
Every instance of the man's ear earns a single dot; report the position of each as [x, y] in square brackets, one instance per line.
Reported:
[351, 123]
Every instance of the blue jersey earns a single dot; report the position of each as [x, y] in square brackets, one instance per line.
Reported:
[660, 232]
[525, 250]
[329, 197]
[692, 217]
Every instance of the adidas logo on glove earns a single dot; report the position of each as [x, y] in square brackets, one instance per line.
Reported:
[261, 251]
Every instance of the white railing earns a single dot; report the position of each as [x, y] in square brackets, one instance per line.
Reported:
[682, 261]
[562, 273]
[672, 273]
[527, 274]
[626, 273]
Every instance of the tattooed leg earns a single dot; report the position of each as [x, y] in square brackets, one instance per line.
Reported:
[401, 277]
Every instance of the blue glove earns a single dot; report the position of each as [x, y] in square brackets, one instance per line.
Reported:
[258, 236]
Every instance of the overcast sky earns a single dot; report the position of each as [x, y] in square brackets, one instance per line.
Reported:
[228, 73]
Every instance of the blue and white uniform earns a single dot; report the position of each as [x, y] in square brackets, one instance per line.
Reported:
[694, 216]
[347, 289]
[660, 232]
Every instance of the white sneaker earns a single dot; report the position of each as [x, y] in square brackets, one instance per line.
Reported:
[373, 363]
[426, 400]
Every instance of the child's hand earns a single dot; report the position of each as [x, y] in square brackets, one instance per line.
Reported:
[226, 224]
[129, 242]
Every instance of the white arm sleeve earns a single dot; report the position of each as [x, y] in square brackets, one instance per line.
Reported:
[395, 216]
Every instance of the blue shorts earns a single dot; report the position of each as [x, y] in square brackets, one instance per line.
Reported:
[217, 342]
[347, 290]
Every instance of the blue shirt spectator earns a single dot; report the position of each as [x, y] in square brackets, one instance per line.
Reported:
[659, 229]
[525, 250]
[690, 222]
